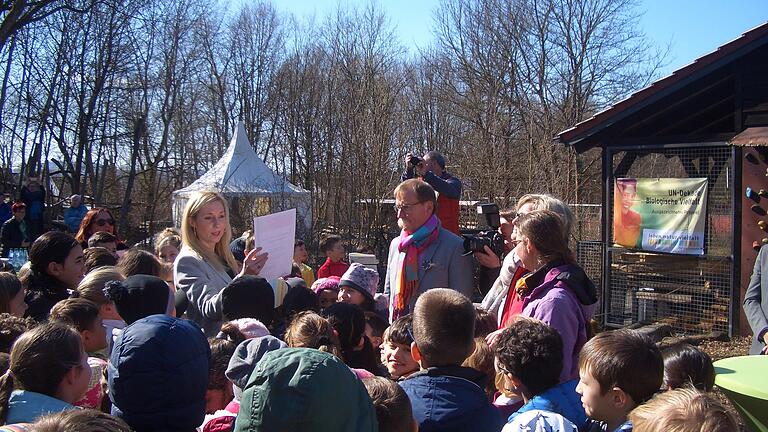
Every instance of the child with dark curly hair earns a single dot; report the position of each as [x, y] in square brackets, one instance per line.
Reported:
[530, 355]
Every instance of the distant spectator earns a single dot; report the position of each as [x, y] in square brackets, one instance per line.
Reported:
[15, 231]
[95, 220]
[301, 257]
[5, 208]
[33, 195]
[96, 257]
[431, 169]
[75, 213]
[167, 248]
[333, 248]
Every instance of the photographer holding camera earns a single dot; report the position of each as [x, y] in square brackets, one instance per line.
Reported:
[431, 169]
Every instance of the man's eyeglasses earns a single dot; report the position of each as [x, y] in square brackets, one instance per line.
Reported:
[102, 222]
[405, 207]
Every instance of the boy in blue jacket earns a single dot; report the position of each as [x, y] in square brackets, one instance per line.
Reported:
[530, 355]
[444, 395]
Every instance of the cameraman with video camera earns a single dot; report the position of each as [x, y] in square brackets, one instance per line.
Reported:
[431, 169]
[490, 261]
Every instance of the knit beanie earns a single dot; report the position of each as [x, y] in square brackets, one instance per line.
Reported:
[330, 283]
[237, 247]
[245, 358]
[138, 296]
[249, 327]
[361, 278]
[248, 297]
[294, 282]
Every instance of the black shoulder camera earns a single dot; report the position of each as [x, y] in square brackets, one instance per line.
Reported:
[415, 160]
[491, 238]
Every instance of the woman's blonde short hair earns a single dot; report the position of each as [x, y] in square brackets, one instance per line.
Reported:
[548, 202]
[222, 256]
[682, 410]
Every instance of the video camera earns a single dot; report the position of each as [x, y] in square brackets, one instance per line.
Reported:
[491, 238]
[415, 160]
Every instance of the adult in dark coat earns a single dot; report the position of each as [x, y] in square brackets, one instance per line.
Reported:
[33, 195]
[5, 208]
[15, 233]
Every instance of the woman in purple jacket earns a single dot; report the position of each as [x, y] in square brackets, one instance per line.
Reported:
[556, 291]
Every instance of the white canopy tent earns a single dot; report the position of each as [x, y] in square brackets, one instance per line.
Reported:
[242, 177]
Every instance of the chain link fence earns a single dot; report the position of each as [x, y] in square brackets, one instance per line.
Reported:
[691, 293]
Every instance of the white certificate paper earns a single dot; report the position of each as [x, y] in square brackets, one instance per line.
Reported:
[275, 234]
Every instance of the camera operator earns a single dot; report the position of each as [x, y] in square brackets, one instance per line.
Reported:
[490, 263]
[431, 169]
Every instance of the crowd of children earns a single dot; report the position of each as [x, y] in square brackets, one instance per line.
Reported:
[189, 337]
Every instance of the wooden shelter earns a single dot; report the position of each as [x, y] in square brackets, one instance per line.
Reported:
[708, 119]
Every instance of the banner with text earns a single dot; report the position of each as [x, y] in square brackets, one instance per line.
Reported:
[660, 214]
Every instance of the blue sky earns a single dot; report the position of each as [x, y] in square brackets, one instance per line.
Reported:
[692, 27]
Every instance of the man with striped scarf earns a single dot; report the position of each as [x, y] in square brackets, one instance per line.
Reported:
[425, 255]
